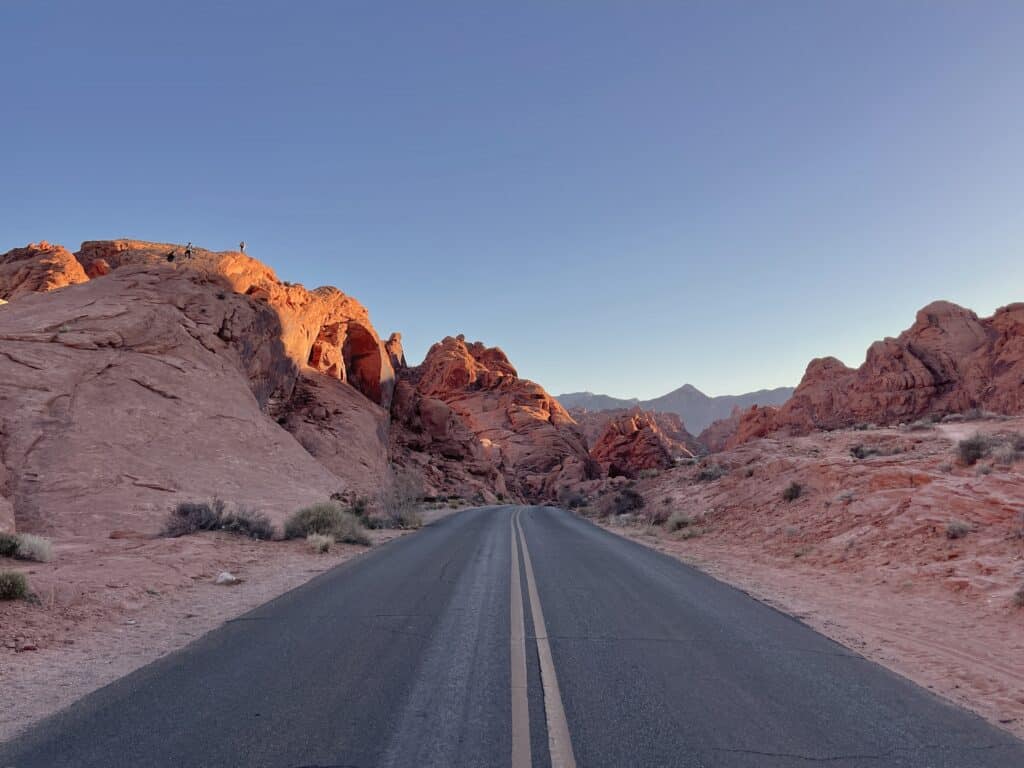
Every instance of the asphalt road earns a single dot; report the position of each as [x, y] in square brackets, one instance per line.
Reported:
[426, 652]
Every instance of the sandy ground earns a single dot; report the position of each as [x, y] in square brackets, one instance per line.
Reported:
[109, 607]
[968, 652]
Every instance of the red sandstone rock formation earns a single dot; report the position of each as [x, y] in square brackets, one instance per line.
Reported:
[948, 361]
[36, 268]
[323, 328]
[170, 380]
[626, 441]
[466, 404]
[632, 442]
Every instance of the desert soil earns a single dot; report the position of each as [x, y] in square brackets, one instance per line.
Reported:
[108, 607]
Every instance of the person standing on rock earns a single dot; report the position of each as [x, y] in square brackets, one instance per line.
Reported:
[188, 250]
[241, 247]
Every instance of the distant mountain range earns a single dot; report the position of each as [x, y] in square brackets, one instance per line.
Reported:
[695, 408]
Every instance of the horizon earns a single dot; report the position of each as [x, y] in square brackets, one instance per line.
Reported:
[622, 200]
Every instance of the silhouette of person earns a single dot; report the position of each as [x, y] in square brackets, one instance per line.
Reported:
[188, 250]
[241, 246]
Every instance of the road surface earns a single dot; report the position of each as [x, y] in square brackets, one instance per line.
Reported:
[512, 636]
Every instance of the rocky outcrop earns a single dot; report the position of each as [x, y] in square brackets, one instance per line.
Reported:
[948, 361]
[37, 268]
[126, 394]
[324, 328]
[634, 441]
[629, 440]
[466, 405]
[159, 381]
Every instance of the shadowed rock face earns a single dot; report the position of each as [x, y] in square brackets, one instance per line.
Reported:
[466, 403]
[948, 361]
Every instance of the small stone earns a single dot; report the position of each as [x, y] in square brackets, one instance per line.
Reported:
[226, 578]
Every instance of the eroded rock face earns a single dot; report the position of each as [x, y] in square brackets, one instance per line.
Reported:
[323, 328]
[37, 268]
[627, 441]
[169, 380]
[466, 403]
[126, 394]
[948, 361]
[630, 443]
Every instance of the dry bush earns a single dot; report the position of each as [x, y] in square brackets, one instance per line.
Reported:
[13, 586]
[191, 517]
[1007, 454]
[8, 544]
[319, 543]
[572, 499]
[711, 473]
[255, 525]
[34, 548]
[327, 519]
[972, 449]
[792, 491]
[957, 529]
[860, 451]
[676, 521]
[401, 498]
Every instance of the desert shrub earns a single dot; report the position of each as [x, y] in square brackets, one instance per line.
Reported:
[13, 586]
[792, 491]
[326, 518]
[983, 469]
[710, 473]
[627, 500]
[255, 525]
[35, 548]
[919, 426]
[573, 499]
[860, 451]
[957, 529]
[319, 543]
[8, 544]
[1017, 441]
[1006, 455]
[400, 499]
[360, 507]
[945, 467]
[649, 474]
[191, 516]
[376, 522]
[972, 449]
[676, 521]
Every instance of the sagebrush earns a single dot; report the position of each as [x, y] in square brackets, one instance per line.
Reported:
[13, 586]
[327, 519]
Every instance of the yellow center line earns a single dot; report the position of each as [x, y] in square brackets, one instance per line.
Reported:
[521, 757]
[559, 741]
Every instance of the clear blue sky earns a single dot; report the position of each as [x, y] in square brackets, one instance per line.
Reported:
[624, 196]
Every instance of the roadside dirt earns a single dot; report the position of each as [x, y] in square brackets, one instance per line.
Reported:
[868, 553]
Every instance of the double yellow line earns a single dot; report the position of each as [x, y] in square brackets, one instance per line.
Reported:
[559, 741]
